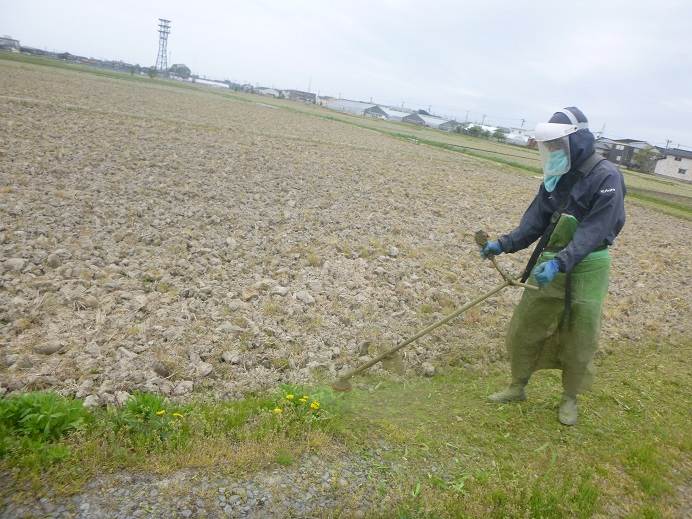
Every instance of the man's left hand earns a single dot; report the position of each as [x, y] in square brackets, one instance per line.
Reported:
[546, 272]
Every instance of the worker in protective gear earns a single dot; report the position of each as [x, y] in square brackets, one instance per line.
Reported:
[577, 213]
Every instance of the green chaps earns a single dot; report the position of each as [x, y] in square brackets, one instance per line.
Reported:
[539, 337]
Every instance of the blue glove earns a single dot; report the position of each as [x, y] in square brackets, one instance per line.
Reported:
[492, 248]
[546, 272]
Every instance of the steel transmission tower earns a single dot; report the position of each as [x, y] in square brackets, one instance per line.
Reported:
[162, 56]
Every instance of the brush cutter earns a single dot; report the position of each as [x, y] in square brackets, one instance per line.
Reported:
[481, 237]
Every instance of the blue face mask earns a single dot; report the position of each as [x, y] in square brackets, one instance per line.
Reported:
[550, 183]
[557, 165]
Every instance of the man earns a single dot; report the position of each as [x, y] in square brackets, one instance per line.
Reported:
[577, 213]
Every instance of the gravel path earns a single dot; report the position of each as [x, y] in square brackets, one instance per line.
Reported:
[311, 488]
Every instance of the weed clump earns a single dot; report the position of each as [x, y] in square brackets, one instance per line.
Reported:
[45, 433]
[31, 425]
[148, 422]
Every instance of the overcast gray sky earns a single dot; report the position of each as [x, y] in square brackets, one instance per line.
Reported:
[626, 64]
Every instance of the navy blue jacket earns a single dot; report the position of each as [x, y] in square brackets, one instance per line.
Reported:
[596, 200]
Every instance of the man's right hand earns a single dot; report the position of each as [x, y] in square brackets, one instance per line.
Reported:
[492, 248]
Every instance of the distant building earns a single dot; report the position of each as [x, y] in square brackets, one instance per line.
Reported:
[603, 146]
[271, 92]
[485, 128]
[519, 136]
[233, 85]
[674, 163]
[210, 82]
[622, 151]
[449, 126]
[430, 120]
[348, 106]
[385, 112]
[8, 43]
[522, 139]
[299, 95]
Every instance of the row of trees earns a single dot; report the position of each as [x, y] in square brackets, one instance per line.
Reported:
[180, 70]
[645, 159]
[474, 130]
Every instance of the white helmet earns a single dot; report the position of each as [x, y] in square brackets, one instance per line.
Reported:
[553, 143]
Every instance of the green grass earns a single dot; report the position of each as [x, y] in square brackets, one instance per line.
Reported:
[152, 433]
[629, 450]
[436, 448]
[31, 424]
[663, 202]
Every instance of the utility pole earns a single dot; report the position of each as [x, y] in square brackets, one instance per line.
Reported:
[429, 109]
[162, 56]
[483, 121]
[668, 141]
[522, 124]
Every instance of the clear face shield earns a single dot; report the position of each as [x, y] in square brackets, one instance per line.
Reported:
[555, 156]
[553, 146]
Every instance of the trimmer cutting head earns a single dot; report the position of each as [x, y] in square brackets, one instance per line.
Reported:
[343, 385]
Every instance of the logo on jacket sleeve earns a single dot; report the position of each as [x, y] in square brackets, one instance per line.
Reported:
[607, 190]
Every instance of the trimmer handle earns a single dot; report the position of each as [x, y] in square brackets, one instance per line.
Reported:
[481, 238]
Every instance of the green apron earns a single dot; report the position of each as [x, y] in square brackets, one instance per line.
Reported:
[540, 338]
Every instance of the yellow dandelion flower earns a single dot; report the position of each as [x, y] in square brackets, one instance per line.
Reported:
[306, 397]
[277, 410]
[177, 415]
[161, 412]
[315, 405]
[303, 400]
[290, 397]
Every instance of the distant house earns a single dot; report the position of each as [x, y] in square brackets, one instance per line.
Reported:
[449, 126]
[485, 128]
[299, 95]
[271, 92]
[348, 106]
[209, 82]
[674, 163]
[385, 112]
[233, 85]
[603, 146]
[519, 136]
[429, 120]
[522, 139]
[8, 43]
[622, 151]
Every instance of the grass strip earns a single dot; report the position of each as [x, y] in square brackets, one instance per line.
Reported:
[434, 446]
